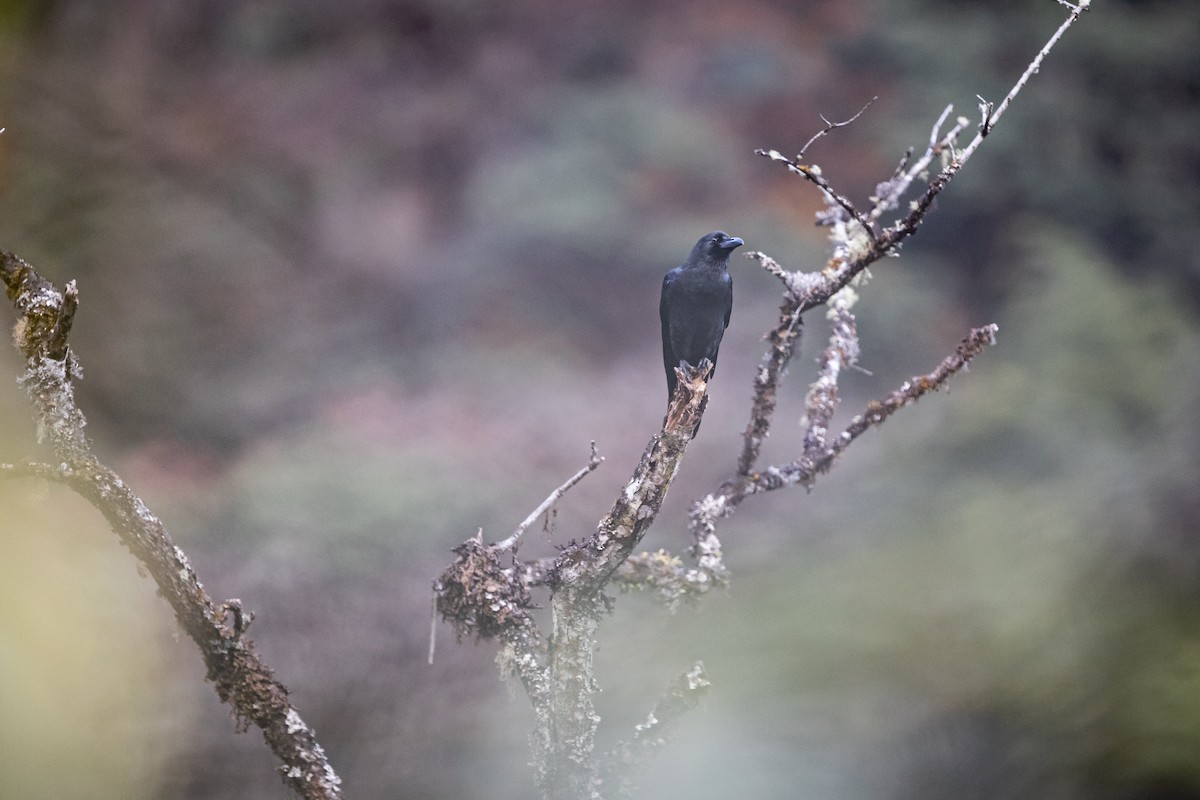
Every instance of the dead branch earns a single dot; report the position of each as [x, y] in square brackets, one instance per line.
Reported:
[238, 674]
[804, 470]
[822, 399]
[485, 593]
[511, 542]
[784, 339]
[812, 174]
[830, 126]
[684, 694]
[559, 673]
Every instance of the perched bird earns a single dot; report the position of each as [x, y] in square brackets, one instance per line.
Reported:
[697, 297]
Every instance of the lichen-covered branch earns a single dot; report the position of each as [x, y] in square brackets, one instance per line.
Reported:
[559, 676]
[804, 470]
[856, 245]
[842, 352]
[238, 674]
[587, 565]
[784, 338]
[485, 593]
[990, 115]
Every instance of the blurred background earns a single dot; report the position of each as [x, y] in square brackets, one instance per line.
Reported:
[359, 278]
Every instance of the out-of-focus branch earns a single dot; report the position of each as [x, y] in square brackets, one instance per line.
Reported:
[238, 674]
[684, 694]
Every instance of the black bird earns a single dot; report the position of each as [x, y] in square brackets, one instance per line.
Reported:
[697, 297]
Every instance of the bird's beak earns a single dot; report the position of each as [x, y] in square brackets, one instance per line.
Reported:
[732, 243]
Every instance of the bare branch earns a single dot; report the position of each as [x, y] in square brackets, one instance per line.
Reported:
[560, 678]
[829, 126]
[31, 469]
[888, 193]
[513, 538]
[893, 236]
[993, 117]
[669, 578]
[784, 338]
[911, 391]
[483, 596]
[567, 768]
[238, 674]
[587, 565]
[812, 173]
[805, 470]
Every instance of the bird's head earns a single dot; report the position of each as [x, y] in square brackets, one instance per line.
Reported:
[715, 246]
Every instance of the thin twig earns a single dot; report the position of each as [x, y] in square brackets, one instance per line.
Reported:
[509, 543]
[1033, 68]
[32, 469]
[888, 193]
[937, 126]
[829, 126]
[812, 174]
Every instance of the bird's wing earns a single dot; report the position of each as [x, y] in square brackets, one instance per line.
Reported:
[729, 307]
[663, 305]
[669, 359]
[668, 279]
